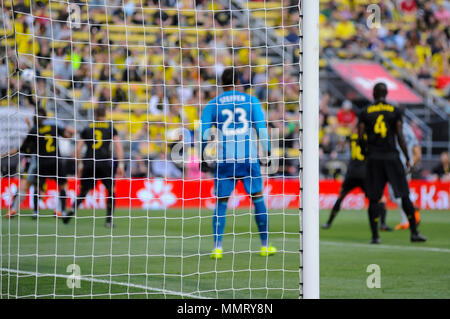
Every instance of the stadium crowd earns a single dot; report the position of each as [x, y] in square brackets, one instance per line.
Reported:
[413, 34]
[155, 64]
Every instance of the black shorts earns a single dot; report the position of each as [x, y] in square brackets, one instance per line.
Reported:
[69, 166]
[51, 168]
[98, 170]
[381, 171]
[351, 182]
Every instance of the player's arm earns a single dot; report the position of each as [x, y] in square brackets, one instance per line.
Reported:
[417, 155]
[361, 140]
[119, 153]
[28, 122]
[207, 121]
[402, 142]
[78, 156]
[9, 153]
[69, 132]
[27, 144]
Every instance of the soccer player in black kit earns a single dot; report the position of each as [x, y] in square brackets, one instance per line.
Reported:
[383, 124]
[42, 140]
[97, 162]
[355, 177]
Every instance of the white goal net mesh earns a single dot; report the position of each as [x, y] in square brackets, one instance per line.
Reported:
[153, 66]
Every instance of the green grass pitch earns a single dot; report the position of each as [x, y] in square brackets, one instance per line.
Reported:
[165, 254]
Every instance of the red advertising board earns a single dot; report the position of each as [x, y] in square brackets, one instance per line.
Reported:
[364, 75]
[279, 193]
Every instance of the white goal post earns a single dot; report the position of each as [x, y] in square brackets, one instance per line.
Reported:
[310, 152]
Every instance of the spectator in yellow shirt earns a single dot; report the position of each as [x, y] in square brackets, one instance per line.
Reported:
[345, 29]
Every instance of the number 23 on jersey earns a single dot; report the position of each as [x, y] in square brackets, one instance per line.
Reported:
[242, 118]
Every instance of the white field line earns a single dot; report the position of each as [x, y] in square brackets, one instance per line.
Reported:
[108, 282]
[391, 247]
[177, 293]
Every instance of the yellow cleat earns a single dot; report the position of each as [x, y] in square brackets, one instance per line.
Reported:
[267, 251]
[217, 253]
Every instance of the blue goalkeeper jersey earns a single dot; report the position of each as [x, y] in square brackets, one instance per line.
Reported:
[240, 123]
[411, 141]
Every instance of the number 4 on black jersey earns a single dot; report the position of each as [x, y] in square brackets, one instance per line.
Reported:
[380, 122]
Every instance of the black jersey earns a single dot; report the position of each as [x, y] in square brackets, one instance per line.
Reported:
[380, 121]
[98, 137]
[356, 166]
[29, 145]
[43, 141]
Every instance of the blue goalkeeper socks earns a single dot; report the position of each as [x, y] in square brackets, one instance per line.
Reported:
[219, 223]
[261, 219]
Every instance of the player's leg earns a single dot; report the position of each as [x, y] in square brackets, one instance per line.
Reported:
[105, 172]
[346, 188]
[404, 223]
[18, 198]
[397, 178]
[36, 199]
[383, 212]
[254, 187]
[109, 185]
[381, 208]
[24, 186]
[87, 183]
[39, 191]
[62, 186]
[61, 202]
[223, 188]
[416, 210]
[375, 181]
[410, 211]
[261, 217]
[32, 178]
[47, 169]
[53, 169]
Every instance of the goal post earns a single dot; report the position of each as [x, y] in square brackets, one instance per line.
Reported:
[310, 152]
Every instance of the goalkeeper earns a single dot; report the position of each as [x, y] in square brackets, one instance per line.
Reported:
[235, 115]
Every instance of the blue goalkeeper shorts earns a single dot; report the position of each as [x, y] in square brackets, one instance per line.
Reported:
[252, 180]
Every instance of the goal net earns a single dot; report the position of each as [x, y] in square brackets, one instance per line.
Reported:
[153, 65]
